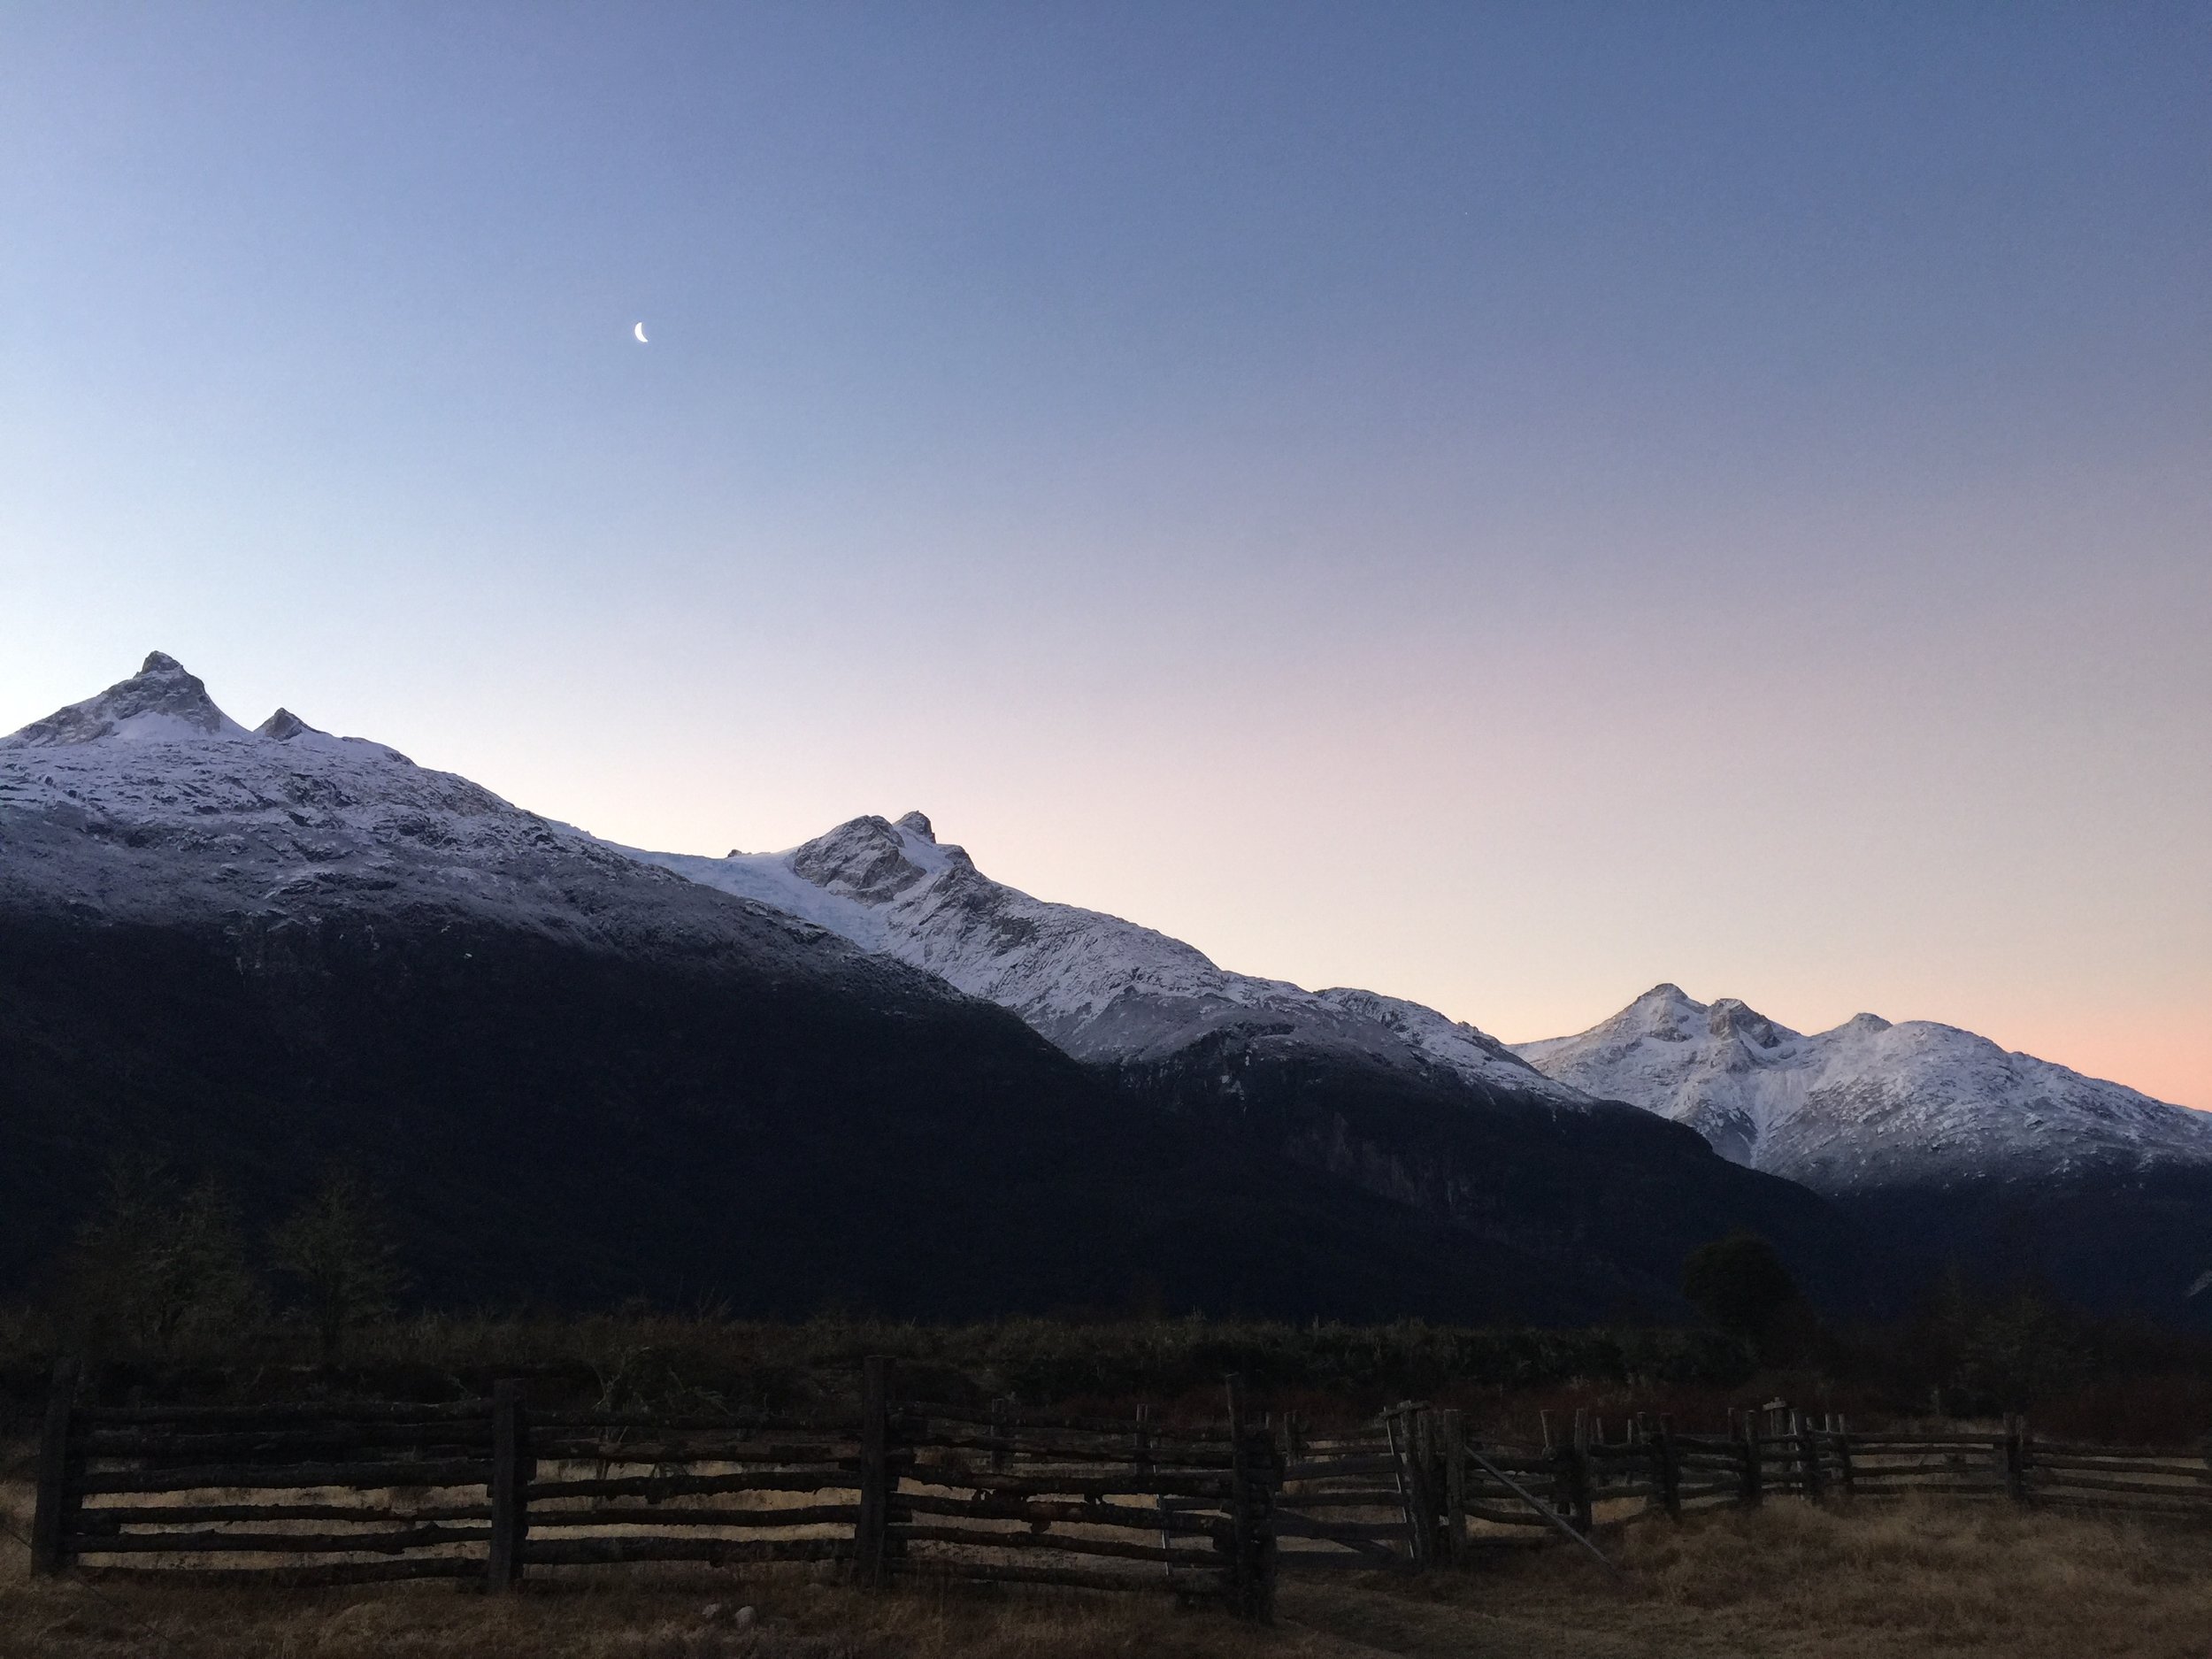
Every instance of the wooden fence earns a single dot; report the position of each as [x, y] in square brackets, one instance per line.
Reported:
[1458, 1497]
[486, 1490]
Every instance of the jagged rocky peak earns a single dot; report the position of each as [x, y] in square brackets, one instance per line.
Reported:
[162, 702]
[284, 725]
[917, 824]
[1868, 1025]
[1729, 1017]
[864, 858]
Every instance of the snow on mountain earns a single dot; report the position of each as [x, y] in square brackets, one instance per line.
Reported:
[149, 803]
[1102, 988]
[1869, 1103]
[160, 703]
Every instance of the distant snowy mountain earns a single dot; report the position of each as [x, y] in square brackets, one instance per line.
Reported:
[1393, 1097]
[580, 1076]
[1869, 1103]
[584, 1071]
[1105, 990]
[1941, 1145]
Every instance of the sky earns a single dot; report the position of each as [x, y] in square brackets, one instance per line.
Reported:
[1500, 505]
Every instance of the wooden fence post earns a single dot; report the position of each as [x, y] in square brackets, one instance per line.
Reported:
[2015, 1464]
[48, 1519]
[1808, 1460]
[1754, 1477]
[1670, 1470]
[1847, 1476]
[1455, 1437]
[1251, 1566]
[510, 1490]
[871, 1531]
[1428, 1500]
[1002, 1413]
[1572, 1461]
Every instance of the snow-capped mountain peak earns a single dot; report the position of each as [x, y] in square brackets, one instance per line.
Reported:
[1104, 990]
[162, 702]
[284, 726]
[1868, 1103]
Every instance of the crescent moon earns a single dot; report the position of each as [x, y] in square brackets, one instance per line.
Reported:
[639, 332]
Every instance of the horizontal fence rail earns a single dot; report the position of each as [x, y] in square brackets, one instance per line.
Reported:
[487, 1490]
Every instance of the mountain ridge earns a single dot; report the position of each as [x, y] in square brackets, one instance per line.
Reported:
[582, 1074]
[1868, 1101]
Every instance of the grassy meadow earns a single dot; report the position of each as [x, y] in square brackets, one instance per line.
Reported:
[1870, 1582]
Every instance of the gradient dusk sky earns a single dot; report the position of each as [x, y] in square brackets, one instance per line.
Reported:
[1501, 504]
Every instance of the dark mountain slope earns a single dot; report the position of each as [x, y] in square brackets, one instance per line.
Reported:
[581, 1078]
[1385, 1094]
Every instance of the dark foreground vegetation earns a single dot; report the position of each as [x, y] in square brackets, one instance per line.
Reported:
[164, 1296]
[1962, 1357]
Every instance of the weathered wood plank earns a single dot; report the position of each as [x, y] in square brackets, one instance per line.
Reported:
[2041, 1462]
[322, 1444]
[290, 1477]
[2083, 1483]
[197, 1543]
[1058, 1543]
[104, 1517]
[571, 1449]
[577, 1552]
[1142, 1519]
[301, 1577]
[333, 1413]
[545, 1519]
[1135, 1483]
[694, 1485]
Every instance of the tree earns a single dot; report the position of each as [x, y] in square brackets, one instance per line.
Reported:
[1740, 1284]
[157, 1269]
[338, 1249]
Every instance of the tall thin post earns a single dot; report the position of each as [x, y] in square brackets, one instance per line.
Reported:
[1670, 1470]
[1144, 1468]
[871, 1531]
[510, 1490]
[1249, 1591]
[1754, 1477]
[1001, 1435]
[1571, 1461]
[1420, 1482]
[2016, 1460]
[1393, 1426]
[53, 1505]
[1455, 1437]
[1808, 1460]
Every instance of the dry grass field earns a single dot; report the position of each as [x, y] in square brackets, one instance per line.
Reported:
[1925, 1579]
